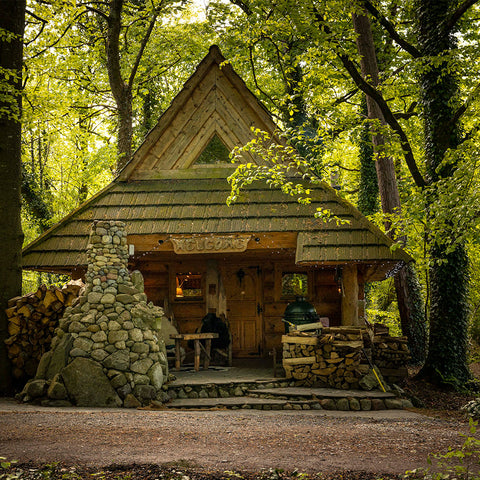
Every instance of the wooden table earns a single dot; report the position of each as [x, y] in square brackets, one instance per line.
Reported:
[198, 347]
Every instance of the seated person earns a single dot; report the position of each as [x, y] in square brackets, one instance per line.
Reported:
[213, 324]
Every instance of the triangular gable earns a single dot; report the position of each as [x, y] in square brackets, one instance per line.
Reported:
[213, 101]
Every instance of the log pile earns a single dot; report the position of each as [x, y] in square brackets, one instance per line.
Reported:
[32, 320]
[391, 356]
[331, 359]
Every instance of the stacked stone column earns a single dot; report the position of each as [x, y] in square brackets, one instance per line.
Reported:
[108, 340]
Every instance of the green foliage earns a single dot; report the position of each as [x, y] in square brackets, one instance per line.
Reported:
[460, 464]
[5, 469]
[10, 84]
[449, 307]
[214, 153]
[382, 306]
[474, 294]
[280, 166]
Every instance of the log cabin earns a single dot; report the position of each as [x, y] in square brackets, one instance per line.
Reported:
[198, 255]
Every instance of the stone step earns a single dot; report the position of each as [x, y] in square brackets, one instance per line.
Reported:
[233, 403]
[297, 399]
[312, 393]
[220, 389]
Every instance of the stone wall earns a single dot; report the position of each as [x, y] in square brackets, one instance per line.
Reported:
[107, 350]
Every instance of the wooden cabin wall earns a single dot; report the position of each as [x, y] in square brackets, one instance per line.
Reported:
[155, 277]
[323, 293]
[328, 298]
[159, 278]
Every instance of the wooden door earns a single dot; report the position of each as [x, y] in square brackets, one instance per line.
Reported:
[244, 311]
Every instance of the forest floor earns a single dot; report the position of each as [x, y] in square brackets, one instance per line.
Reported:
[119, 444]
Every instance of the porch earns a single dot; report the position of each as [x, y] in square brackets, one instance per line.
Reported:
[250, 384]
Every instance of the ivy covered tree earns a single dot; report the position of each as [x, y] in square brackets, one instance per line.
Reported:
[442, 113]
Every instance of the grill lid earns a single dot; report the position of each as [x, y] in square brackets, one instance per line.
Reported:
[299, 312]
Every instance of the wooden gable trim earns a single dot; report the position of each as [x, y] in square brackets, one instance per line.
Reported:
[213, 100]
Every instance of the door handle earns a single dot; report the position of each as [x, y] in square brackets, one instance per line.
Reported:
[259, 309]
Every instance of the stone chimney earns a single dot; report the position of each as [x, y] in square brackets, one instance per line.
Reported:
[107, 351]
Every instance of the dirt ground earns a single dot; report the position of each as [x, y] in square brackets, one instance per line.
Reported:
[367, 444]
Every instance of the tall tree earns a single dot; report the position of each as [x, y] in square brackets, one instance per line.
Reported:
[128, 29]
[12, 24]
[410, 304]
[439, 97]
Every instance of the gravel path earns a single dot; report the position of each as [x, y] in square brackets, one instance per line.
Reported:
[310, 441]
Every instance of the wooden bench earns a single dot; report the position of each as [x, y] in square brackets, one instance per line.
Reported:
[198, 347]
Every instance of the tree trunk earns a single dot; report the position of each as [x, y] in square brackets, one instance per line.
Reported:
[125, 128]
[121, 90]
[12, 19]
[439, 93]
[368, 188]
[406, 283]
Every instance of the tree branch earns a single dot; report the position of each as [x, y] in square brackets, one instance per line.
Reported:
[464, 107]
[44, 22]
[387, 114]
[97, 11]
[142, 48]
[67, 28]
[345, 97]
[388, 26]
[252, 64]
[244, 6]
[459, 12]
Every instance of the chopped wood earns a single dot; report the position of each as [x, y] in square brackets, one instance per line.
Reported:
[299, 361]
[309, 326]
[32, 320]
[299, 340]
[353, 344]
[13, 302]
[49, 298]
[334, 358]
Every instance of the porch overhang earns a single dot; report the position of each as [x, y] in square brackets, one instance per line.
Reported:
[380, 258]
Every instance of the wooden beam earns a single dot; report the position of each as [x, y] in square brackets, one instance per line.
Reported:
[349, 295]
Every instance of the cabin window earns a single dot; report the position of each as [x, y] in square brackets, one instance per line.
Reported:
[188, 286]
[214, 153]
[294, 284]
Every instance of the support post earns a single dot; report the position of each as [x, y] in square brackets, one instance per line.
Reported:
[350, 295]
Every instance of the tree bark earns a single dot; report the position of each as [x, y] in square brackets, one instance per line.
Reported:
[406, 283]
[12, 19]
[368, 202]
[439, 97]
[122, 91]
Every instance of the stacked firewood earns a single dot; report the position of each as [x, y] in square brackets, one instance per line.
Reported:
[331, 359]
[32, 320]
[391, 355]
